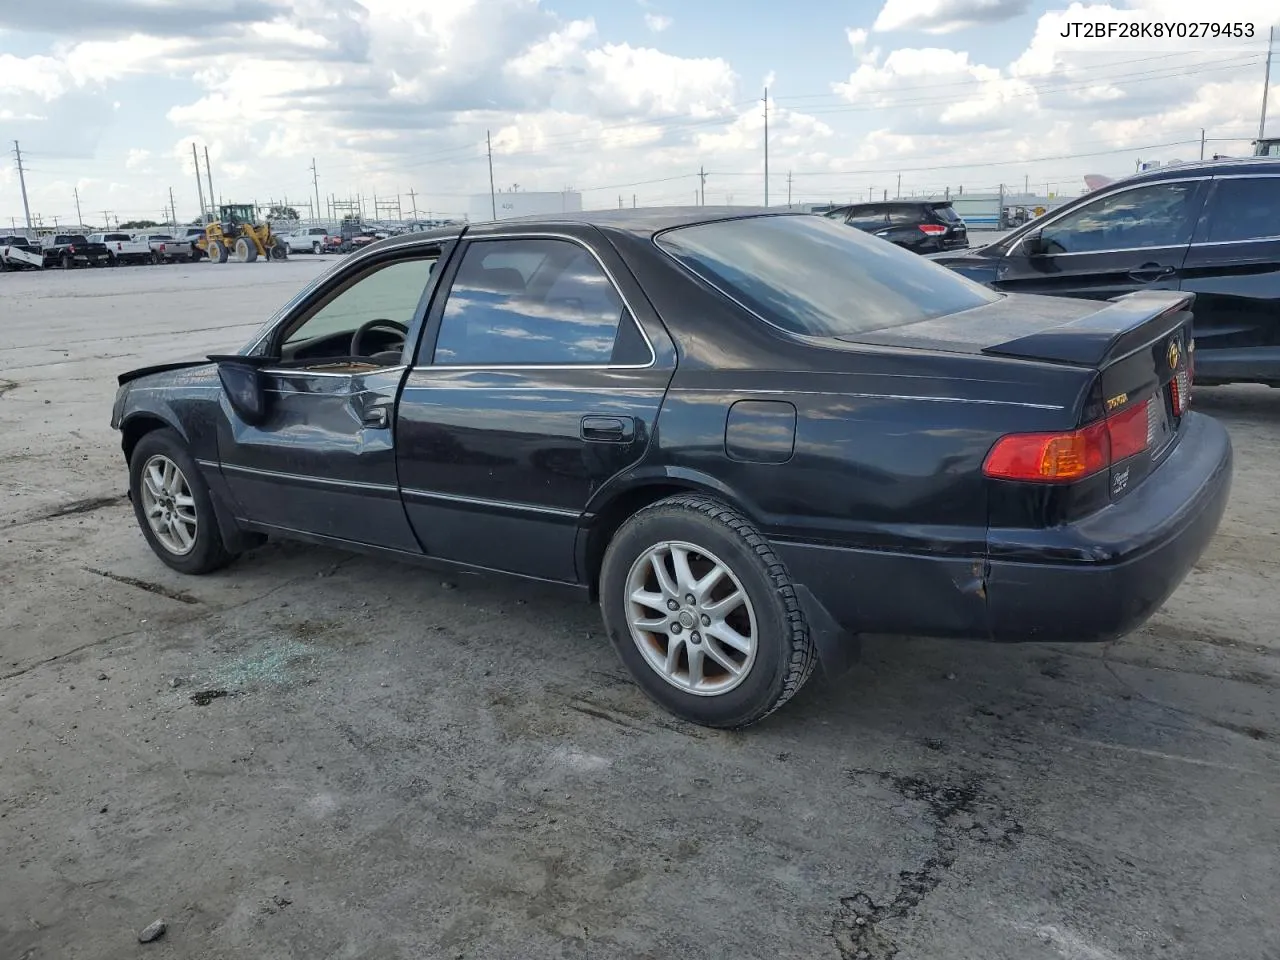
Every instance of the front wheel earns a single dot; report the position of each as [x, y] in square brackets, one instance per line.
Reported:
[315, 248]
[703, 613]
[172, 505]
[279, 251]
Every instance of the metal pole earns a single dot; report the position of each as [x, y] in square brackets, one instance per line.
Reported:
[1202, 143]
[493, 200]
[1266, 85]
[315, 182]
[702, 186]
[897, 194]
[22, 181]
[766, 146]
[788, 189]
[208, 172]
[195, 158]
[79, 215]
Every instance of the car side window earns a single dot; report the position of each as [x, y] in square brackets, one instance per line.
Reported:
[530, 301]
[1155, 215]
[903, 216]
[392, 292]
[868, 218]
[1244, 209]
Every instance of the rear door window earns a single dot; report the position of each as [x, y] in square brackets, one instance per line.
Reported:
[904, 215]
[868, 218]
[947, 212]
[810, 276]
[1242, 209]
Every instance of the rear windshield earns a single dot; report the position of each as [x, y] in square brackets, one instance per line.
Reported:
[947, 212]
[810, 275]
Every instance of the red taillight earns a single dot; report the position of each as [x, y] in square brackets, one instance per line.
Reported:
[1066, 457]
[932, 229]
[71, 248]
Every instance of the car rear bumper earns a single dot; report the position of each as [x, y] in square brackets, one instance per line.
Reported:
[1097, 579]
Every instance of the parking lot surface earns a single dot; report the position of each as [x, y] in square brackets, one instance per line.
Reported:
[313, 754]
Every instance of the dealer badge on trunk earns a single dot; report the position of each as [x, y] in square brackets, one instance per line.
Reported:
[1175, 353]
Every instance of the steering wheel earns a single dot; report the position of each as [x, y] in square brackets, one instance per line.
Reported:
[357, 338]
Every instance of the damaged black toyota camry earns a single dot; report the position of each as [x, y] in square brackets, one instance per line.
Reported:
[750, 436]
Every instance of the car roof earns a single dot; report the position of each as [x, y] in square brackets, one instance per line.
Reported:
[642, 222]
[1204, 168]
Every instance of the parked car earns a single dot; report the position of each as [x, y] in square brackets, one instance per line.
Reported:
[71, 250]
[923, 226]
[750, 435]
[165, 248]
[122, 248]
[19, 253]
[1212, 229]
[350, 237]
[306, 240]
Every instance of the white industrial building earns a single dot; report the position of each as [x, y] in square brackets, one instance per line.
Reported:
[522, 203]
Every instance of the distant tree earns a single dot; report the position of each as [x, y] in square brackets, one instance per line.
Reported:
[138, 225]
[279, 212]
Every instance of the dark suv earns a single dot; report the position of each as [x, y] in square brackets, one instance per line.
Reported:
[922, 226]
[1211, 228]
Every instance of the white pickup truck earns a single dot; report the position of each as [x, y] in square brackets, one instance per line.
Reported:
[165, 248]
[306, 240]
[17, 252]
[122, 248]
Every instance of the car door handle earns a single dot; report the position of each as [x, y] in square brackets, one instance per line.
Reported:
[608, 429]
[375, 417]
[1151, 271]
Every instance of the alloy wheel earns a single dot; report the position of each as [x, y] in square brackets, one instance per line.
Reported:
[168, 505]
[691, 618]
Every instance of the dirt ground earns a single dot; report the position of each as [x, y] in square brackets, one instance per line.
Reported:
[404, 766]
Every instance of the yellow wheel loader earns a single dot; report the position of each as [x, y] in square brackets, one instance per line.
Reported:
[236, 233]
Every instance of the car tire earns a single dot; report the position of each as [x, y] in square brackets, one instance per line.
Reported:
[315, 249]
[185, 496]
[278, 251]
[68, 262]
[779, 655]
[218, 252]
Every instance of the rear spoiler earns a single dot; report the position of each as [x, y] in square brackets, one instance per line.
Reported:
[1126, 324]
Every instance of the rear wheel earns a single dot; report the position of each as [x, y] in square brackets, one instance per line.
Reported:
[172, 505]
[68, 261]
[315, 248]
[703, 613]
[279, 251]
[246, 250]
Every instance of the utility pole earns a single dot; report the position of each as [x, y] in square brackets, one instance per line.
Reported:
[208, 172]
[315, 182]
[1202, 143]
[195, 158]
[633, 201]
[493, 200]
[788, 189]
[1266, 85]
[619, 201]
[106, 220]
[702, 186]
[173, 208]
[766, 146]
[1026, 183]
[22, 181]
[79, 215]
[897, 194]
[413, 199]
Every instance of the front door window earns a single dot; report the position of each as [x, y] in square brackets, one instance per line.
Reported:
[1146, 217]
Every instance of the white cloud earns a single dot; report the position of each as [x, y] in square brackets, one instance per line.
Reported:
[945, 16]
[137, 157]
[656, 22]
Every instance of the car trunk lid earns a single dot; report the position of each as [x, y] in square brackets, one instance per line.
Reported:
[1139, 344]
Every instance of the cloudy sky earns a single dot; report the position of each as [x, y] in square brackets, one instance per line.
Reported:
[611, 97]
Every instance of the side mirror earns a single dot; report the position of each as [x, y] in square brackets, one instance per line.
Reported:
[242, 380]
[1033, 244]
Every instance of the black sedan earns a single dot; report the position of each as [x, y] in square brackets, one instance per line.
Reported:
[1212, 229]
[750, 436]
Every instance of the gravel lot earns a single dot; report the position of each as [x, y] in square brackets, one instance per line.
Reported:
[411, 767]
